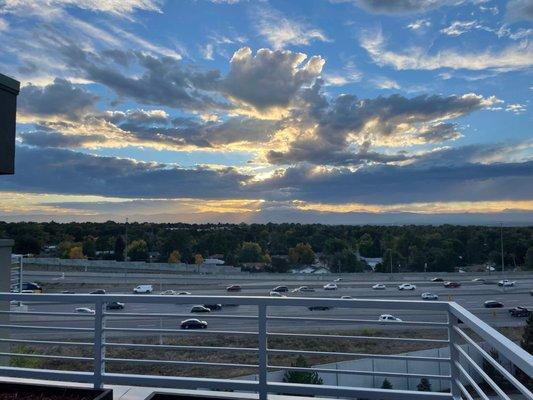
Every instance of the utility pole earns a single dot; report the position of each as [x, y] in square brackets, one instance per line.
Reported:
[390, 251]
[501, 243]
[126, 247]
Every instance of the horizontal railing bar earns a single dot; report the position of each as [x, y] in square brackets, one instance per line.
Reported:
[517, 384]
[463, 389]
[354, 392]
[482, 373]
[312, 335]
[177, 362]
[179, 382]
[358, 372]
[240, 300]
[362, 321]
[472, 382]
[362, 355]
[47, 342]
[170, 315]
[510, 350]
[47, 374]
[185, 331]
[180, 347]
[47, 356]
[58, 314]
[47, 328]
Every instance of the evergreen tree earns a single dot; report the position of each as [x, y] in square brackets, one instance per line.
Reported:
[527, 344]
[310, 377]
[424, 385]
[494, 374]
[386, 384]
[120, 246]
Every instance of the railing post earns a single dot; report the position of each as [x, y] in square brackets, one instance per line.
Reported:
[454, 356]
[263, 351]
[99, 344]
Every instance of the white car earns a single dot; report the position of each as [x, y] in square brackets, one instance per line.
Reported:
[347, 297]
[276, 294]
[379, 286]
[506, 283]
[388, 318]
[303, 289]
[429, 296]
[406, 286]
[338, 280]
[168, 292]
[330, 286]
[85, 310]
[143, 289]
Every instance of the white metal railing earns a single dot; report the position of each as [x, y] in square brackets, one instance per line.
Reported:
[104, 331]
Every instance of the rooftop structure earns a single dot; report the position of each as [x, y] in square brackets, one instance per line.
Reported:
[9, 89]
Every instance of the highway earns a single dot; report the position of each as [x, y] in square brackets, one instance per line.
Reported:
[471, 296]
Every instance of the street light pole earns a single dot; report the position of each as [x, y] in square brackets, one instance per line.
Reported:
[501, 243]
[126, 247]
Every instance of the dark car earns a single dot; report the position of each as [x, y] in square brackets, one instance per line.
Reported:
[115, 305]
[31, 286]
[437, 280]
[234, 288]
[319, 308]
[493, 304]
[200, 309]
[519, 312]
[193, 324]
[452, 285]
[280, 289]
[98, 291]
[213, 307]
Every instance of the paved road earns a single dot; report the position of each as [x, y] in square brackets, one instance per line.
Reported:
[470, 295]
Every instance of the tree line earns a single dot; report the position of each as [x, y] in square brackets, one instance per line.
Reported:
[282, 246]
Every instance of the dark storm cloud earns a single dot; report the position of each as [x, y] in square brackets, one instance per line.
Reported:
[450, 175]
[44, 138]
[434, 177]
[69, 172]
[60, 98]
[370, 119]
[269, 78]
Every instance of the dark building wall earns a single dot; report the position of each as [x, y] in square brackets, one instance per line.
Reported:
[9, 89]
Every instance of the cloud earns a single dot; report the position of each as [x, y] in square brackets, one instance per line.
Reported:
[207, 51]
[512, 57]
[60, 98]
[69, 172]
[122, 8]
[280, 31]
[457, 28]
[269, 78]
[519, 10]
[419, 24]
[398, 6]
[336, 127]
[428, 180]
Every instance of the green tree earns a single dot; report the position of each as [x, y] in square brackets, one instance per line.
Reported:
[335, 245]
[528, 262]
[424, 385]
[120, 246]
[308, 377]
[89, 246]
[494, 374]
[174, 257]
[346, 261]
[527, 337]
[250, 252]
[279, 264]
[76, 252]
[301, 254]
[138, 250]
[365, 245]
[386, 384]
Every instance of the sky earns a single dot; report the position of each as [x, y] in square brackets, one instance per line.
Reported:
[336, 112]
